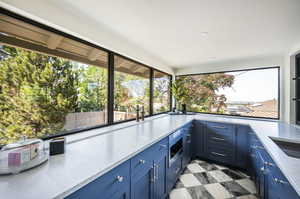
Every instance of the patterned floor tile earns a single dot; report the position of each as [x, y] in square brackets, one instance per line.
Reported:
[235, 189]
[233, 174]
[218, 191]
[220, 176]
[199, 192]
[181, 193]
[189, 180]
[206, 180]
[248, 185]
[207, 166]
[195, 168]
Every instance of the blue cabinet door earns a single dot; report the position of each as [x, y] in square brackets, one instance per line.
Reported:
[187, 149]
[113, 185]
[173, 173]
[278, 185]
[198, 139]
[123, 194]
[142, 184]
[242, 143]
[160, 177]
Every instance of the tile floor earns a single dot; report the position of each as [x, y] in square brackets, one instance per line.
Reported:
[204, 180]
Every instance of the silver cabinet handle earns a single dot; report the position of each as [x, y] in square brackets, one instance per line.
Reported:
[260, 147]
[219, 127]
[269, 164]
[216, 138]
[156, 172]
[163, 146]
[189, 141]
[153, 173]
[142, 161]
[280, 181]
[177, 170]
[218, 154]
[120, 178]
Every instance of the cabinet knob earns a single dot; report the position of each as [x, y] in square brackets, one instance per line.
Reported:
[142, 161]
[120, 178]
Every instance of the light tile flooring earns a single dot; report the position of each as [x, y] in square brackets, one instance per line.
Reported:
[204, 180]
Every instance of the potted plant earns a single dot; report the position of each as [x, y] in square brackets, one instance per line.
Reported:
[180, 94]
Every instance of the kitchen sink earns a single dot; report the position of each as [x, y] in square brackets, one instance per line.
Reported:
[292, 149]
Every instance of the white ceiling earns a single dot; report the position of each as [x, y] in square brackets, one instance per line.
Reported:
[172, 30]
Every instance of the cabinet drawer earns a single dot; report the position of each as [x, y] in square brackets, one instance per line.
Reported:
[220, 128]
[220, 155]
[161, 147]
[219, 138]
[107, 185]
[173, 173]
[144, 160]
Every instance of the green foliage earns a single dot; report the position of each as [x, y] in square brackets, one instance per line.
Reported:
[199, 92]
[36, 93]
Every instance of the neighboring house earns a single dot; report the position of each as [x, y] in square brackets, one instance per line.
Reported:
[267, 108]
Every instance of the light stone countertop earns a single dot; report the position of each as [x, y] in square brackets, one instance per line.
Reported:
[92, 153]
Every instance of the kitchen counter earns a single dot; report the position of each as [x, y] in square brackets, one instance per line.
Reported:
[91, 154]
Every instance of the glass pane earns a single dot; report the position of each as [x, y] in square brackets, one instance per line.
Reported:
[48, 84]
[161, 92]
[252, 93]
[132, 88]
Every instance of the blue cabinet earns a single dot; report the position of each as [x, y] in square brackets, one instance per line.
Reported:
[279, 187]
[198, 139]
[160, 177]
[142, 184]
[187, 144]
[242, 143]
[112, 185]
[219, 142]
[148, 172]
[173, 173]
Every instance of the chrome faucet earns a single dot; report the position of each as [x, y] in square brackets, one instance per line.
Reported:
[137, 113]
[143, 113]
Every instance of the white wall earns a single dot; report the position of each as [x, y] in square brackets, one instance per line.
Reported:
[69, 21]
[251, 63]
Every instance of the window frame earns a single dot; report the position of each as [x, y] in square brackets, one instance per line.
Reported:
[250, 69]
[110, 82]
[297, 94]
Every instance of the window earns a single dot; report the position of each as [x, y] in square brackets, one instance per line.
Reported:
[48, 83]
[161, 92]
[131, 88]
[53, 84]
[250, 93]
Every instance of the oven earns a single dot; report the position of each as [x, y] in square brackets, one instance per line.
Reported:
[175, 146]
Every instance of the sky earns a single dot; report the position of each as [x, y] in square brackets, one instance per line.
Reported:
[253, 86]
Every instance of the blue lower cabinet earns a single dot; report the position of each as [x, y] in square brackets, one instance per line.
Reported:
[242, 143]
[148, 172]
[142, 184]
[278, 185]
[112, 185]
[173, 173]
[198, 139]
[187, 149]
[160, 177]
